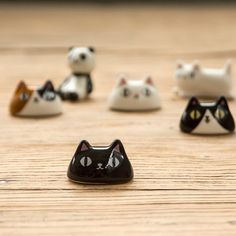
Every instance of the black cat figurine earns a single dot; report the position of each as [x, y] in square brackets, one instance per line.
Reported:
[100, 165]
[207, 118]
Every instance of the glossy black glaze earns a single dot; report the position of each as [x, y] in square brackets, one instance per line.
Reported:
[100, 165]
[188, 124]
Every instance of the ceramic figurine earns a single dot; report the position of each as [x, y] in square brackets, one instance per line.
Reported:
[78, 85]
[193, 80]
[207, 118]
[134, 95]
[29, 101]
[100, 165]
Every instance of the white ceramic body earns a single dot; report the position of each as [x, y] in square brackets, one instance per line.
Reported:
[136, 99]
[42, 107]
[192, 80]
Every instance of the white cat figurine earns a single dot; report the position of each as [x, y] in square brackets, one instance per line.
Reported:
[193, 80]
[134, 95]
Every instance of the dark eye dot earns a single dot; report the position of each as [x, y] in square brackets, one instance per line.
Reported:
[126, 92]
[192, 75]
[147, 92]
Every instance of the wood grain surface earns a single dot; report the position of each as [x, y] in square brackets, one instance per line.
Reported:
[183, 185]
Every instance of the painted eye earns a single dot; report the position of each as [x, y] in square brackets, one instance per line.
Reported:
[192, 75]
[126, 92]
[147, 92]
[24, 96]
[195, 114]
[85, 161]
[49, 96]
[220, 113]
[113, 162]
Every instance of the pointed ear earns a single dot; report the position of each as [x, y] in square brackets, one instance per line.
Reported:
[20, 86]
[149, 81]
[117, 146]
[196, 66]
[83, 146]
[222, 102]
[70, 48]
[192, 102]
[91, 49]
[179, 64]
[48, 86]
[122, 81]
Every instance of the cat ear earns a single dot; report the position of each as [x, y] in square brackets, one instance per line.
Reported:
[192, 102]
[117, 146]
[222, 102]
[122, 81]
[48, 86]
[22, 85]
[179, 64]
[91, 49]
[83, 146]
[196, 66]
[149, 81]
[70, 48]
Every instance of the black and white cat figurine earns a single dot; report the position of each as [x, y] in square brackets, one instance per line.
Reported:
[207, 118]
[100, 165]
[78, 85]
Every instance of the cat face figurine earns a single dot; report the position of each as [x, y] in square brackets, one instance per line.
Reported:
[134, 95]
[100, 165]
[42, 101]
[207, 118]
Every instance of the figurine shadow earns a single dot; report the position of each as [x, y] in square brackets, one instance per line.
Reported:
[37, 117]
[98, 184]
[149, 111]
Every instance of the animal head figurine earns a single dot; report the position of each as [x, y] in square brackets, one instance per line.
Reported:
[42, 101]
[194, 80]
[207, 118]
[134, 95]
[100, 165]
[81, 60]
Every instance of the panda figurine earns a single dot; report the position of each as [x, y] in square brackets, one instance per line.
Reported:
[78, 85]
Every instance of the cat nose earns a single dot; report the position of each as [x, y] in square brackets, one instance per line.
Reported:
[207, 119]
[136, 95]
[36, 100]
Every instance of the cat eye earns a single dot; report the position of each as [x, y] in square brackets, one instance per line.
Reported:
[192, 75]
[147, 92]
[126, 92]
[24, 96]
[85, 161]
[49, 96]
[220, 113]
[113, 162]
[195, 114]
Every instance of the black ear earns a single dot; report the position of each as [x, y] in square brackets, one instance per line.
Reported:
[83, 146]
[70, 48]
[48, 86]
[117, 146]
[222, 102]
[192, 103]
[91, 49]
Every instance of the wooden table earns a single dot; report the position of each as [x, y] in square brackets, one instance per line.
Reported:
[183, 185]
